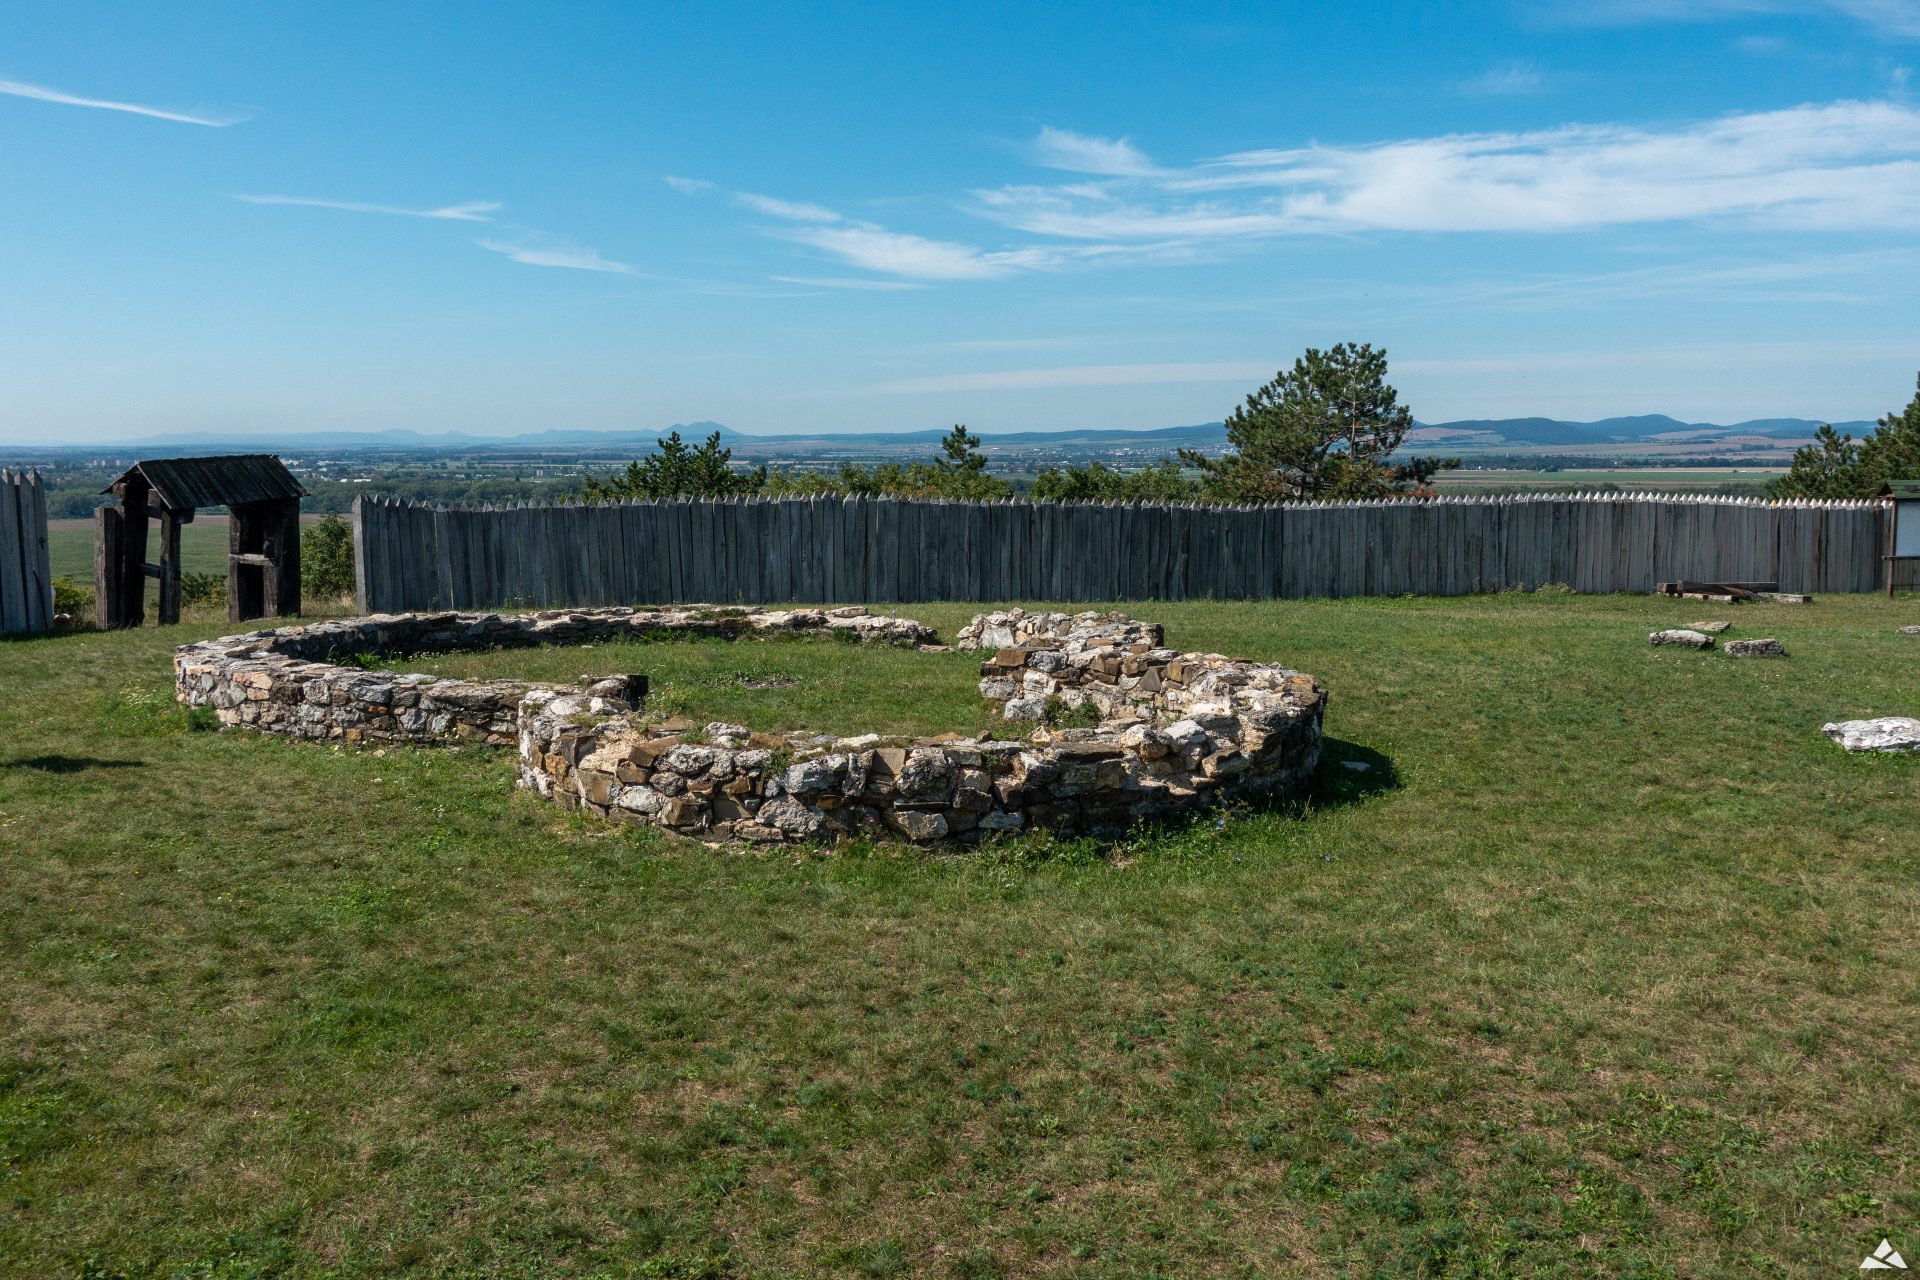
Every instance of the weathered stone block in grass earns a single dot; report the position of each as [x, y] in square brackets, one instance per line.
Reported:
[1682, 636]
[1886, 733]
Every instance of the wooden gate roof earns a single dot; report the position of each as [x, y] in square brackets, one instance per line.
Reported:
[182, 484]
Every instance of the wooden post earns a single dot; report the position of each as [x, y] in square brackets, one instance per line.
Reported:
[133, 554]
[361, 508]
[280, 543]
[169, 613]
[109, 578]
[15, 614]
[33, 546]
[1893, 518]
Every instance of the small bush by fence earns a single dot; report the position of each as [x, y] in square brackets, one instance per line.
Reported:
[883, 550]
[26, 582]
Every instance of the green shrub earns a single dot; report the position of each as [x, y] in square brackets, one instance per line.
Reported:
[1058, 715]
[326, 558]
[72, 598]
[203, 589]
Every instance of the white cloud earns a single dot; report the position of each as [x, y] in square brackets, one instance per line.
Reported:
[871, 247]
[554, 254]
[895, 253]
[791, 210]
[1125, 214]
[1083, 153]
[687, 186]
[533, 248]
[1851, 165]
[1511, 81]
[1087, 375]
[472, 211]
[21, 89]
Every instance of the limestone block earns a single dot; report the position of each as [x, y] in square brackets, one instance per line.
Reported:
[1886, 733]
[1683, 637]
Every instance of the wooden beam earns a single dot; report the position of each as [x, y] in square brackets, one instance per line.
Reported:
[169, 567]
[109, 582]
[283, 547]
[287, 593]
[133, 555]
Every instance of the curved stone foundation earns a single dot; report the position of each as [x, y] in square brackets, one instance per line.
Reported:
[1174, 731]
[290, 679]
[1177, 731]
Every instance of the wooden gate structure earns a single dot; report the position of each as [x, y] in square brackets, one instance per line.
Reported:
[263, 560]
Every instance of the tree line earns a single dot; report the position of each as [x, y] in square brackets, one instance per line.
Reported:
[1329, 427]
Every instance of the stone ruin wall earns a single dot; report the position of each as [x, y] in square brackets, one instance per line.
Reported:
[1175, 730]
[289, 679]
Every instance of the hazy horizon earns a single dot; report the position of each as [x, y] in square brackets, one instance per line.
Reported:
[298, 436]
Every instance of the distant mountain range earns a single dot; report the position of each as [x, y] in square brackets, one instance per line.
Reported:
[692, 432]
[1480, 433]
[1645, 428]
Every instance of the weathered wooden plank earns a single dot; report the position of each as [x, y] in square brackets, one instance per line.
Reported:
[13, 590]
[169, 611]
[39, 565]
[445, 593]
[369, 553]
[29, 539]
[405, 575]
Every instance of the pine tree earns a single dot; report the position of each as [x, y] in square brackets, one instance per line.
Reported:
[676, 471]
[1327, 428]
[1835, 466]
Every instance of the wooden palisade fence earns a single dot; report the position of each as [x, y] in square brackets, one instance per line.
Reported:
[26, 583]
[884, 550]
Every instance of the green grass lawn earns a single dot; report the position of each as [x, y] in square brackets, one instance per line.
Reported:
[1607, 966]
[771, 685]
[203, 547]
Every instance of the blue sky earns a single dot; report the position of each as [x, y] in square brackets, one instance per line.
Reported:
[501, 218]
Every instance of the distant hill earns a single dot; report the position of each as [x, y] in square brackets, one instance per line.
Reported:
[402, 438]
[1515, 430]
[1478, 433]
[1631, 430]
[1166, 438]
